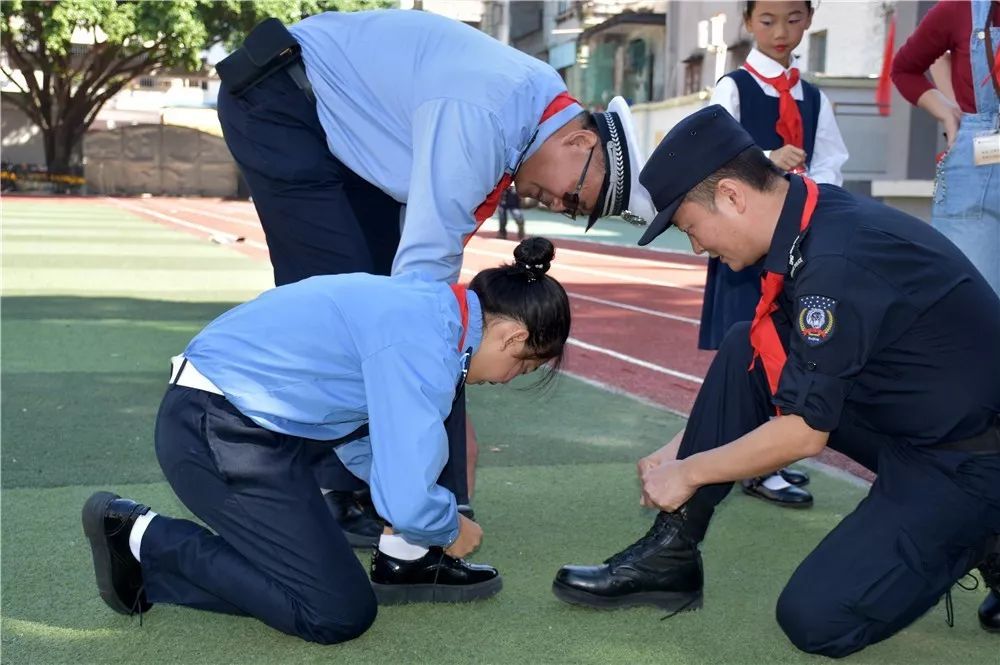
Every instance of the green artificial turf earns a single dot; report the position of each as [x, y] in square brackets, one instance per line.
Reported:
[87, 331]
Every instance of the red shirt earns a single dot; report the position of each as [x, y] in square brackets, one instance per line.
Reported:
[946, 27]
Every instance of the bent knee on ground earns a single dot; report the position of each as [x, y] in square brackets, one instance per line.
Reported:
[819, 625]
[338, 621]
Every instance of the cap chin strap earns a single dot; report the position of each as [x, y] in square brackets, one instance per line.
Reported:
[614, 194]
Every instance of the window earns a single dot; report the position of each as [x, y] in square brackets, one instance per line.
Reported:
[147, 82]
[817, 51]
[692, 74]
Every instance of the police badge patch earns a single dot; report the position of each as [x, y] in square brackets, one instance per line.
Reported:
[816, 321]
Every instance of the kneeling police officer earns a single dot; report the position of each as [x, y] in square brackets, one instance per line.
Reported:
[874, 336]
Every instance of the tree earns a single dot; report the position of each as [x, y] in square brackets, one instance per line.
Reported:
[63, 88]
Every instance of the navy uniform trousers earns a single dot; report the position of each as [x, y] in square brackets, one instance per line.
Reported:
[276, 552]
[926, 521]
[319, 217]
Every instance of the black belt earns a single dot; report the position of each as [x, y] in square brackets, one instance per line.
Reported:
[987, 443]
[359, 433]
[267, 50]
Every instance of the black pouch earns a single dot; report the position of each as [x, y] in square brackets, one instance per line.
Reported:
[267, 49]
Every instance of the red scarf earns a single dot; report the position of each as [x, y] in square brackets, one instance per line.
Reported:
[763, 334]
[489, 206]
[462, 297]
[789, 125]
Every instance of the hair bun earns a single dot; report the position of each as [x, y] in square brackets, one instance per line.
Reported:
[535, 256]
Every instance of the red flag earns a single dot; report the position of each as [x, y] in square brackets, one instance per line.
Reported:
[883, 92]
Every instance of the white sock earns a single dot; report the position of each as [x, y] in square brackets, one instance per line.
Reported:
[326, 491]
[776, 482]
[139, 528]
[396, 546]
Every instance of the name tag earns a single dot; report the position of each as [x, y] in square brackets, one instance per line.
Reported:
[986, 148]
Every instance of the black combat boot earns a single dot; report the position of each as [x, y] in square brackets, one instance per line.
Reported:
[989, 611]
[107, 522]
[356, 516]
[433, 578]
[663, 568]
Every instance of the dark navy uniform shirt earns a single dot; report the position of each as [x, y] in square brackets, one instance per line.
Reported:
[886, 322]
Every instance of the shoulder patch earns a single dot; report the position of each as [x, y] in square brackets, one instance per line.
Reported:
[816, 320]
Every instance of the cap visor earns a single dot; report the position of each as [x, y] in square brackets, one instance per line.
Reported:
[661, 222]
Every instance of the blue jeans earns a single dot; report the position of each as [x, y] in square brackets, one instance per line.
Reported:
[967, 200]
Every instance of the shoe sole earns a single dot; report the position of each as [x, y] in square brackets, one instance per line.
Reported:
[669, 601]
[402, 594]
[989, 629]
[783, 504]
[93, 526]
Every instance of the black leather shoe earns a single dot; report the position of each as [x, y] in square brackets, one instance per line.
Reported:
[788, 497]
[989, 568]
[989, 612]
[794, 477]
[662, 569]
[107, 521]
[356, 516]
[433, 578]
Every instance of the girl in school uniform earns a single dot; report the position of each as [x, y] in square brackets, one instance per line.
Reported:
[362, 366]
[793, 121]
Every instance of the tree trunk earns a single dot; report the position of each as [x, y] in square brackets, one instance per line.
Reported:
[61, 144]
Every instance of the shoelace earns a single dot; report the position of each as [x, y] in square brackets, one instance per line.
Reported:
[949, 608]
[437, 571]
[679, 610]
[662, 522]
[137, 604]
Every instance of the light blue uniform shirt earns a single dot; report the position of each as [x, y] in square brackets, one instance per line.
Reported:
[430, 111]
[320, 357]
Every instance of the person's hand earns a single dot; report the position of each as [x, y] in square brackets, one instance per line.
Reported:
[789, 158]
[951, 121]
[666, 486]
[648, 463]
[470, 535]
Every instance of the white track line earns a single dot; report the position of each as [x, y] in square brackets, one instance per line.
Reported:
[641, 310]
[625, 259]
[224, 218]
[207, 230]
[613, 303]
[599, 273]
[635, 361]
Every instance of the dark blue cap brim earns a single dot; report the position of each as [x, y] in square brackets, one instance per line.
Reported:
[661, 222]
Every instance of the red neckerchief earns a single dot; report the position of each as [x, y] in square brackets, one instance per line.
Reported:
[462, 297]
[489, 206]
[789, 125]
[763, 334]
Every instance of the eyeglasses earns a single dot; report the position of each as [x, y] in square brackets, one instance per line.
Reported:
[571, 202]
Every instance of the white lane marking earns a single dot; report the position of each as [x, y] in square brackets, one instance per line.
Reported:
[636, 361]
[621, 305]
[599, 273]
[633, 308]
[207, 230]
